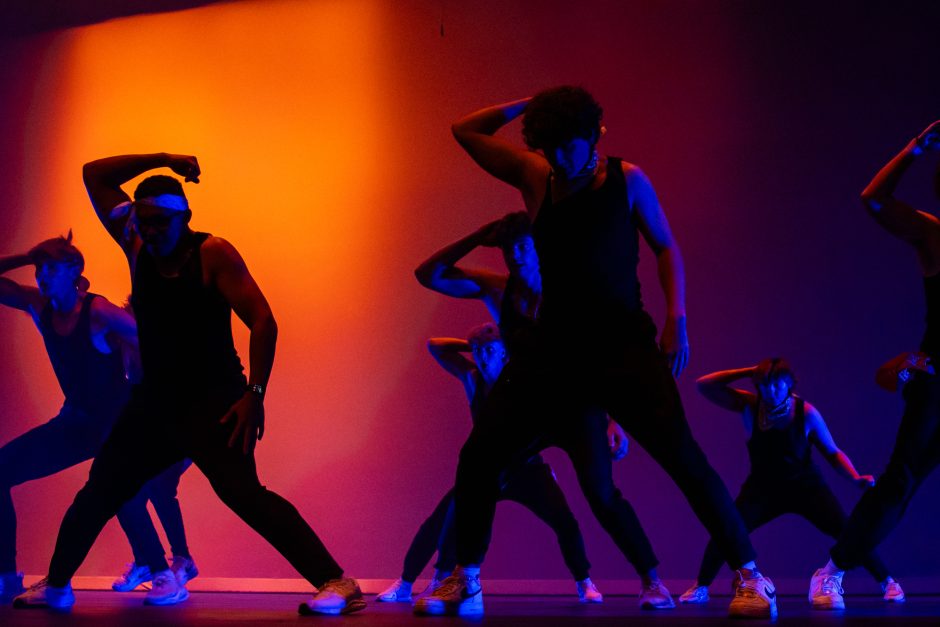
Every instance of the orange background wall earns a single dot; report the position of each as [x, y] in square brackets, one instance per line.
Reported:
[322, 128]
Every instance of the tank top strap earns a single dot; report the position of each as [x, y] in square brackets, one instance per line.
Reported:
[800, 417]
[615, 170]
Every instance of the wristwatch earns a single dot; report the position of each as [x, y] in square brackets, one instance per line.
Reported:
[256, 388]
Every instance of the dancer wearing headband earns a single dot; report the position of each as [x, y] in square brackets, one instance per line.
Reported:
[194, 401]
[514, 301]
[588, 213]
[86, 338]
[917, 447]
[532, 484]
[781, 428]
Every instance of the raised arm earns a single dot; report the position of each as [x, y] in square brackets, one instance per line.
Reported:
[227, 271]
[450, 353]
[819, 435]
[512, 164]
[918, 228]
[716, 387]
[104, 178]
[652, 223]
[441, 274]
[13, 294]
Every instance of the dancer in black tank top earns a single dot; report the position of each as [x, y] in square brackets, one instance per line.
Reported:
[515, 302]
[85, 337]
[781, 429]
[588, 212]
[194, 401]
[917, 448]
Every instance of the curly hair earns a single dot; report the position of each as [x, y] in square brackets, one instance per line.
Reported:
[483, 334]
[57, 250]
[772, 369]
[556, 116]
[158, 184]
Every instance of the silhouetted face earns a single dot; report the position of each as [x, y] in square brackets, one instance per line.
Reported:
[775, 390]
[520, 256]
[490, 358]
[568, 159]
[57, 279]
[159, 228]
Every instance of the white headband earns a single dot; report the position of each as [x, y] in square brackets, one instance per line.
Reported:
[170, 202]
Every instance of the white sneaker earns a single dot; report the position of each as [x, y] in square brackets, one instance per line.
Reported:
[655, 596]
[336, 596]
[695, 595]
[754, 596]
[893, 592]
[458, 595]
[41, 594]
[184, 568]
[398, 592]
[166, 590]
[11, 585]
[588, 592]
[825, 590]
[132, 577]
[435, 583]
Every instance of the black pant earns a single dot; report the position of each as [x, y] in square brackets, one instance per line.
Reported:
[623, 374]
[534, 487]
[159, 429]
[807, 495]
[916, 453]
[138, 526]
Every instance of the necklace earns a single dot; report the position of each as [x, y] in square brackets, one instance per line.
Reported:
[769, 416]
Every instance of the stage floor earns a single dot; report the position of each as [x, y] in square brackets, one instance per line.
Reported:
[214, 608]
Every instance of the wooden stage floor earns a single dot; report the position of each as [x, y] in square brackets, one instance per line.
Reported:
[216, 609]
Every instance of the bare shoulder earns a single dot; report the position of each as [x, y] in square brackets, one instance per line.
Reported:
[218, 251]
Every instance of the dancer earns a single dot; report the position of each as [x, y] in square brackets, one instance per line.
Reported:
[917, 447]
[514, 301]
[85, 337]
[194, 400]
[781, 426]
[587, 215]
[532, 484]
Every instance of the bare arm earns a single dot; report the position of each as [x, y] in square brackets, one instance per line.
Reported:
[449, 354]
[918, 228]
[654, 226]
[104, 178]
[13, 294]
[716, 387]
[821, 438]
[441, 274]
[115, 323]
[512, 164]
[227, 271]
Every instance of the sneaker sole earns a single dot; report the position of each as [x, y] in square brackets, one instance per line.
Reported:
[466, 612]
[653, 607]
[829, 607]
[395, 600]
[754, 613]
[352, 606]
[22, 605]
[179, 597]
[694, 601]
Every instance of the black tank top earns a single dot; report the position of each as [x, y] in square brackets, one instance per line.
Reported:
[476, 407]
[185, 327]
[516, 328]
[91, 381]
[931, 342]
[780, 452]
[588, 247]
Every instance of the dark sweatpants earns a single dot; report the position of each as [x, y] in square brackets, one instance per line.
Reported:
[916, 453]
[138, 526]
[159, 429]
[543, 392]
[533, 486]
[807, 495]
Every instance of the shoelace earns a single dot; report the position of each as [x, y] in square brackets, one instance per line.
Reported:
[342, 587]
[42, 583]
[448, 587]
[829, 583]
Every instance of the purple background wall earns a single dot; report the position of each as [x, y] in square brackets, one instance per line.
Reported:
[758, 124]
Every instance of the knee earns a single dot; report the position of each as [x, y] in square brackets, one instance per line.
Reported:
[897, 484]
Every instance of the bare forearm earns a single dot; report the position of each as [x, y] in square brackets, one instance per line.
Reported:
[115, 171]
[441, 345]
[489, 120]
[723, 378]
[12, 262]
[261, 348]
[886, 181]
[671, 272]
[447, 257]
[843, 465]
